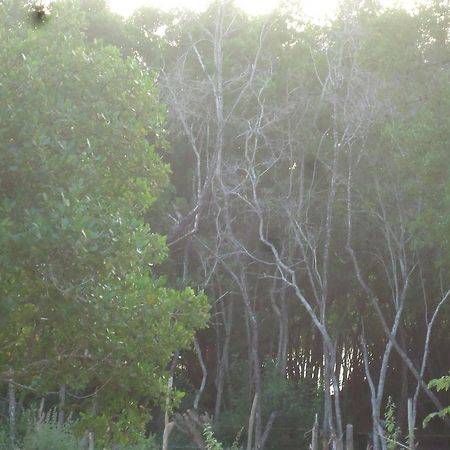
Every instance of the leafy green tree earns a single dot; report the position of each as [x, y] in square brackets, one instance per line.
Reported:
[80, 307]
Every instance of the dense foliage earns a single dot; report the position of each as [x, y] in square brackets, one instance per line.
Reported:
[81, 312]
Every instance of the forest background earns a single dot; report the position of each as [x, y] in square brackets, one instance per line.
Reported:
[210, 218]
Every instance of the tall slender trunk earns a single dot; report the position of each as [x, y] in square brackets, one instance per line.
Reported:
[199, 393]
[402, 417]
[327, 406]
[169, 425]
[12, 408]
[251, 422]
[222, 364]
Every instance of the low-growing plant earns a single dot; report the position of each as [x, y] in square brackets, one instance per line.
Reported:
[391, 427]
[47, 434]
[211, 442]
[4, 438]
[148, 443]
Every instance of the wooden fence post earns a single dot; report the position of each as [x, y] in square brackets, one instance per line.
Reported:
[411, 443]
[315, 435]
[349, 437]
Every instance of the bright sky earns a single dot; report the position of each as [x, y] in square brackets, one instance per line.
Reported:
[318, 9]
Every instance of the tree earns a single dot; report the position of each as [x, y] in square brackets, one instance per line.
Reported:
[309, 198]
[82, 313]
[261, 176]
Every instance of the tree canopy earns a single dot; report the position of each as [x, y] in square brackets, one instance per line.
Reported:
[81, 304]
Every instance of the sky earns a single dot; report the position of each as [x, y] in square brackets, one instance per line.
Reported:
[316, 9]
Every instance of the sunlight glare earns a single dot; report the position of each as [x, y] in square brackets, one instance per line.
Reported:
[312, 8]
[317, 10]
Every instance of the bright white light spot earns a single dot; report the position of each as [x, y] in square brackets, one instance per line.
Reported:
[253, 7]
[316, 9]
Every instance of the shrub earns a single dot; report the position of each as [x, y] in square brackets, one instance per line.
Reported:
[48, 435]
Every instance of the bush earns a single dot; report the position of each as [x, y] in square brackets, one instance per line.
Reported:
[48, 435]
[4, 440]
[146, 444]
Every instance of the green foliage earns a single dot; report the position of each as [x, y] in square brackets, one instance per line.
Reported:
[148, 443]
[45, 433]
[48, 435]
[33, 433]
[392, 429]
[4, 438]
[80, 304]
[296, 403]
[440, 384]
[211, 442]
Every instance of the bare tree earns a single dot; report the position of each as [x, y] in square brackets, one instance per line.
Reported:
[272, 196]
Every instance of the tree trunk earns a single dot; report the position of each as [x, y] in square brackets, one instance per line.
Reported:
[168, 427]
[12, 408]
[222, 364]
[315, 435]
[199, 393]
[349, 437]
[251, 422]
[411, 425]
